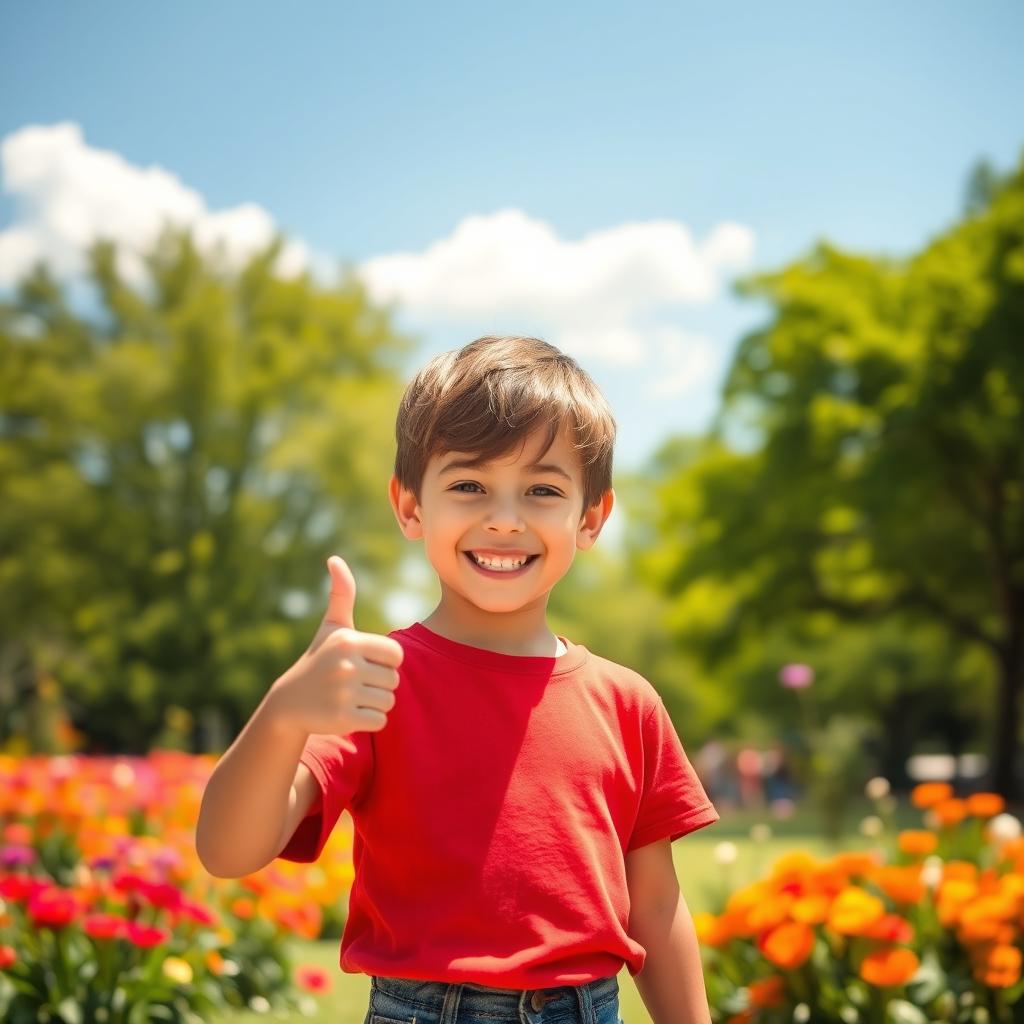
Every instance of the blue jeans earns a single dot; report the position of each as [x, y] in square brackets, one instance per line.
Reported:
[405, 1001]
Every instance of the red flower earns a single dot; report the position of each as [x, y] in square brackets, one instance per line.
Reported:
[161, 894]
[18, 888]
[128, 882]
[312, 979]
[52, 908]
[104, 926]
[145, 937]
[891, 928]
[7, 956]
[196, 912]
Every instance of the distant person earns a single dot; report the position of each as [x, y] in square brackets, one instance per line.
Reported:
[514, 795]
[749, 768]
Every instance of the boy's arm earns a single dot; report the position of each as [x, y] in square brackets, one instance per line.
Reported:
[254, 792]
[671, 982]
[305, 789]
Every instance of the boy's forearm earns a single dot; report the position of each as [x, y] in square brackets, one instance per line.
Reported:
[671, 983]
[246, 798]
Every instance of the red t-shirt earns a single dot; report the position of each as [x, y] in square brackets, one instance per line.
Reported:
[493, 811]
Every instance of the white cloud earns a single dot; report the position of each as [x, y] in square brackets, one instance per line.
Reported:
[507, 263]
[69, 194]
[587, 296]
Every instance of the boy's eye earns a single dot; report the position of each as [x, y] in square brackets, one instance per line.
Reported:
[551, 492]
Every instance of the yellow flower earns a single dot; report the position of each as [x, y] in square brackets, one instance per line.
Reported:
[178, 970]
[854, 911]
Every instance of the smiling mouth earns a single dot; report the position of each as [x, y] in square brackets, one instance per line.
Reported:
[501, 572]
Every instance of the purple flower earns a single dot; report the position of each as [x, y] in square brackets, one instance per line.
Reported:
[16, 856]
[796, 676]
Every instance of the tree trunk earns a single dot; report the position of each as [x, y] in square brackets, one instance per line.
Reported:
[1004, 776]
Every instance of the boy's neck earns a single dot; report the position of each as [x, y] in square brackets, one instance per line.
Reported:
[521, 634]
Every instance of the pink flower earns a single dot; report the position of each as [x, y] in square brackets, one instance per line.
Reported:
[796, 676]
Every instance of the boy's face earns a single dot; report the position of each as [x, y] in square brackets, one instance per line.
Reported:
[505, 509]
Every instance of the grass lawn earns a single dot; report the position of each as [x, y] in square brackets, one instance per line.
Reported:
[702, 881]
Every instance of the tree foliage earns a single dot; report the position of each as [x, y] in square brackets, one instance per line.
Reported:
[876, 524]
[178, 458]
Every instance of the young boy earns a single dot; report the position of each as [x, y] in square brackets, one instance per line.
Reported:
[514, 795]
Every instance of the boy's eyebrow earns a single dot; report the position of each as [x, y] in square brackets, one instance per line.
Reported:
[537, 467]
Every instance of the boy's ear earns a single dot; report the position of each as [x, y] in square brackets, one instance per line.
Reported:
[593, 519]
[406, 509]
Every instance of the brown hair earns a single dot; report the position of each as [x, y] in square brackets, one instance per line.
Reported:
[487, 396]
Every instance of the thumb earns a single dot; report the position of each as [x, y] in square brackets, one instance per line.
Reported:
[342, 598]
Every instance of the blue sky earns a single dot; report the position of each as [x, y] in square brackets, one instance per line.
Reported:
[613, 168]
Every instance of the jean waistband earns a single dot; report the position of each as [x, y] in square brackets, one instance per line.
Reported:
[476, 998]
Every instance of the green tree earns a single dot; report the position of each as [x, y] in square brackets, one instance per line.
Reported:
[883, 481]
[178, 459]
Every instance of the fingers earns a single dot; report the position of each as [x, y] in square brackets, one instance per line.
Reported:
[379, 677]
[371, 647]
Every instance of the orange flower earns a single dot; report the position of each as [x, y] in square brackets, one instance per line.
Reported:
[749, 896]
[711, 931]
[793, 866]
[243, 908]
[960, 869]
[999, 967]
[771, 912]
[767, 991]
[788, 945]
[917, 842]
[854, 911]
[736, 923]
[950, 812]
[986, 919]
[1013, 849]
[927, 794]
[984, 931]
[985, 805]
[889, 966]
[902, 884]
[855, 863]
[743, 1017]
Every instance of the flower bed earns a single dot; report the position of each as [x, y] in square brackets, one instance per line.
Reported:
[107, 915]
[929, 929]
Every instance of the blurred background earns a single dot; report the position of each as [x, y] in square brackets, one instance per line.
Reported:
[787, 241]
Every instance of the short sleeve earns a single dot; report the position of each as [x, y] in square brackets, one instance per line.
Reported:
[342, 767]
[673, 801]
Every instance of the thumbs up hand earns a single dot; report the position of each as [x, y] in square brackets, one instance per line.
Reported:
[345, 681]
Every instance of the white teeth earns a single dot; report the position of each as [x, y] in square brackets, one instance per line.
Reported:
[505, 564]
